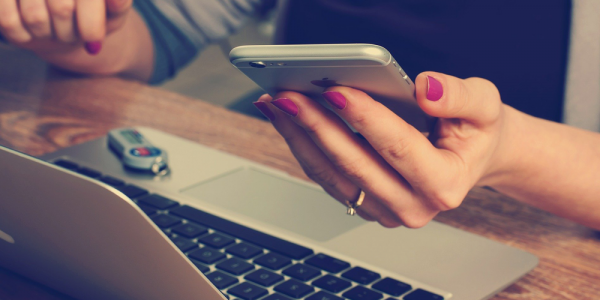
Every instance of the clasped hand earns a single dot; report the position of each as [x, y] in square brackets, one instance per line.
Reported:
[59, 25]
[408, 177]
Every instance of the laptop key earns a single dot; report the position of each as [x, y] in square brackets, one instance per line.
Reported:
[221, 280]
[89, 172]
[207, 255]
[294, 289]
[250, 235]
[150, 211]
[392, 286]
[273, 261]
[158, 201]
[184, 244]
[216, 240]
[112, 181]
[67, 164]
[332, 284]
[189, 230]
[247, 291]
[202, 267]
[360, 292]
[327, 263]
[323, 296]
[244, 250]
[302, 272]
[165, 221]
[133, 191]
[264, 277]
[235, 266]
[361, 275]
[420, 294]
[276, 297]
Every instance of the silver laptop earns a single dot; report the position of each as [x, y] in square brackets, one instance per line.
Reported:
[217, 225]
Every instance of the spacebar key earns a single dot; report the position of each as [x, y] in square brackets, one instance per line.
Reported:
[253, 236]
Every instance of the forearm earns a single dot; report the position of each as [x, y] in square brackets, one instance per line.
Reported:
[551, 166]
[126, 52]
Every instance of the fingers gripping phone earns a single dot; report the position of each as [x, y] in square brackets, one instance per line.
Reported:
[310, 69]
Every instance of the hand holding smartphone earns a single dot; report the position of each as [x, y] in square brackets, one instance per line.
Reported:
[310, 69]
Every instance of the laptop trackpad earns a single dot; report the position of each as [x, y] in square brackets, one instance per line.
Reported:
[283, 203]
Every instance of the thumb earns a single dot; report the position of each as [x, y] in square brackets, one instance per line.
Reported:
[474, 99]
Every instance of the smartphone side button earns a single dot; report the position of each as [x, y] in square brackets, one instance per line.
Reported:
[401, 72]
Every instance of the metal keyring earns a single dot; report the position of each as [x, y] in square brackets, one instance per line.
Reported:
[157, 165]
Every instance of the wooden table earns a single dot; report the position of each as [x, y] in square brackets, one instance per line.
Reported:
[62, 111]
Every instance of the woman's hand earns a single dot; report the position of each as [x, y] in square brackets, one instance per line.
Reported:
[47, 26]
[407, 177]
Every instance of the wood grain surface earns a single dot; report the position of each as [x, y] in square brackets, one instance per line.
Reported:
[62, 111]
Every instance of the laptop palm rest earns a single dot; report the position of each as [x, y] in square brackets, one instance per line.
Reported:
[283, 203]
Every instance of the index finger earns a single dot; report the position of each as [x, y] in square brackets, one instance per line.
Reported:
[91, 19]
[400, 144]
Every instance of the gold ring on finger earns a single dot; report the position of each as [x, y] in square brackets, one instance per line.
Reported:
[353, 205]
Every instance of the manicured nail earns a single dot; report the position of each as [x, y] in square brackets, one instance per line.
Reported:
[287, 106]
[434, 89]
[336, 99]
[93, 48]
[265, 110]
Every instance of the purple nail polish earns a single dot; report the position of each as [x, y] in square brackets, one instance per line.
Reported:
[287, 106]
[93, 48]
[265, 110]
[336, 99]
[434, 89]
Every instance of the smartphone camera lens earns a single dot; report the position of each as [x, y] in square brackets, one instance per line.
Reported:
[258, 64]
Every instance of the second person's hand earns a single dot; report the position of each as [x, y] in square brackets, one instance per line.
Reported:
[46, 26]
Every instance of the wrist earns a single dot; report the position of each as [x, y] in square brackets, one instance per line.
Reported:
[505, 162]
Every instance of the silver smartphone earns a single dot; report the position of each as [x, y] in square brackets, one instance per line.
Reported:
[309, 69]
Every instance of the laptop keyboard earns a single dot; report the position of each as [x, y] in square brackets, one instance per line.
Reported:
[246, 264]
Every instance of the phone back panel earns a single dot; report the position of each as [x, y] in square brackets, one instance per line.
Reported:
[310, 69]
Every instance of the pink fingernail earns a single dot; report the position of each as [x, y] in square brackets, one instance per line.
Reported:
[435, 91]
[287, 106]
[265, 110]
[336, 99]
[93, 48]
